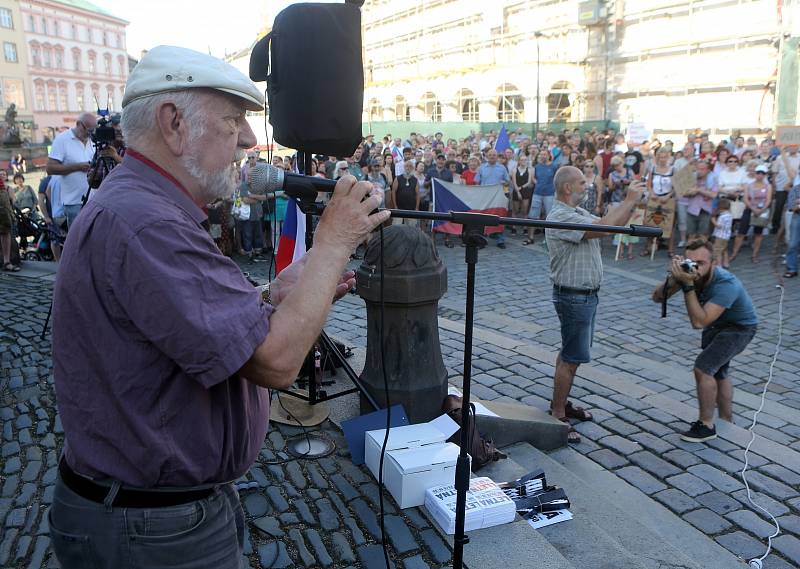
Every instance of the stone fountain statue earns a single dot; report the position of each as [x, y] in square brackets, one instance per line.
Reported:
[12, 130]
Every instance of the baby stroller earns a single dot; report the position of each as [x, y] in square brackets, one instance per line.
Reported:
[34, 236]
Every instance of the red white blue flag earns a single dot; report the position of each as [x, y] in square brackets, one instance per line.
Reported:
[292, 244]
[449, 197]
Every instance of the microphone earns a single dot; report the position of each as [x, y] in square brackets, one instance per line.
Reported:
[267, 178]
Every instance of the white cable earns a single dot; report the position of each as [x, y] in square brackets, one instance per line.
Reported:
[757, 563]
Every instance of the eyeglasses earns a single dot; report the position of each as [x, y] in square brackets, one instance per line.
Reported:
[762, 173]
[733, 161]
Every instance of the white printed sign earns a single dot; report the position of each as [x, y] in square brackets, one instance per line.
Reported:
[549, 518]
[787, 136]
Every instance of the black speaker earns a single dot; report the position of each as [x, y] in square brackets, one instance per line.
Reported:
[311, 61]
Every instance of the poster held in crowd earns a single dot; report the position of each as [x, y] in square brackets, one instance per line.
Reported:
[661, 215]
[683, 180]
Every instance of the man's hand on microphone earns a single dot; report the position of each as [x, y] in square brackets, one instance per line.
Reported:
[347, 219]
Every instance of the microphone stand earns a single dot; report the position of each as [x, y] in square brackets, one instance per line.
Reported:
[472, 235]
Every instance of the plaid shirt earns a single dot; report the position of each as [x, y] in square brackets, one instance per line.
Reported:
[575, 262]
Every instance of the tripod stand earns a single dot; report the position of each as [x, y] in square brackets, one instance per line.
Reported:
[309, 208]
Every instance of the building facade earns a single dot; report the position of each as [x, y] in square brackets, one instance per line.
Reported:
[15, 84]
[77, 61]
[673, 65]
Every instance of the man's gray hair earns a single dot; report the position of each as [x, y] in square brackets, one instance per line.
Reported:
[139, 117]
[564, 176]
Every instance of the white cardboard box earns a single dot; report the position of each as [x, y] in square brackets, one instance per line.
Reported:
[406, 437]
[409, 473]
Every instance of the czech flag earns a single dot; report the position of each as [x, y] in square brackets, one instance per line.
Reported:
[292, 244]
[449, 197]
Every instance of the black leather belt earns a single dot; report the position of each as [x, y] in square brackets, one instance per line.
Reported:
[570, 290]
[127, 498]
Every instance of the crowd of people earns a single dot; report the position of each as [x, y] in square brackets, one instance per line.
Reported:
[740, 188]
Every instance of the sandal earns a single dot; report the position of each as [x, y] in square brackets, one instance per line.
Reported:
[790, 274]
[528, 242]
[573, 437]
[630, 256]
[578, 413]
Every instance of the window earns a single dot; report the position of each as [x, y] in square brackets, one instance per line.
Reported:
[47, 57]
[401, 110]
[59, 58]
[63, 104]
[559, 107]
[6, 19]
[468, 105]
[121, 61]
[110, 97]
[55, 27]
[44, 26]
[10, 51]
[76, 59]
[14, 92]
[119, 42]
[95, 94]
[51, 97]
[107, 63]
[74, 32]
[36, 55]
[431, 107]
[80, 96]
[39, 91]
[92, 62]
[509, 104]
[30, 26]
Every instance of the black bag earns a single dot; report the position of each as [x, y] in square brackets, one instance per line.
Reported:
[481, 449]
[312, 107]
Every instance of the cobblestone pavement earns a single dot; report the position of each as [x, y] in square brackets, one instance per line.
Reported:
[639, 387]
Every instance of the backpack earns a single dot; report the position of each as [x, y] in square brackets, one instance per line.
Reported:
[481, 449]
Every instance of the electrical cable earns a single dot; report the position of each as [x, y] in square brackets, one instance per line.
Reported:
[757, 563]
[388, 404]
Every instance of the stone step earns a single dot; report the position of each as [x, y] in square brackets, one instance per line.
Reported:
[580, 542]
[647, 530]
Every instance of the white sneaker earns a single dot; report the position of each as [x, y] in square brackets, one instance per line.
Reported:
[682, 244]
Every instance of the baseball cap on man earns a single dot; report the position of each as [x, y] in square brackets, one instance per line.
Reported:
[762, 168]
[168, 68]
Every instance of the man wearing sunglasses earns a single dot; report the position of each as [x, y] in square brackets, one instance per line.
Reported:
[70, 158]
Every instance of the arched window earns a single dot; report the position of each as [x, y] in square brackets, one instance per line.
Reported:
[92, 61]
[76, 59]
[47, 55]
[509, 104]
[52, 96]
[374, 109]
[431, 107]
[468, 105]
[59, 57]
[80, 96]
[110, 97]
[559, 107]
[36, 54]
[63, 99]
[107, 63]
[95, 96]
[401, 110]
[121, 63]
[39, 95]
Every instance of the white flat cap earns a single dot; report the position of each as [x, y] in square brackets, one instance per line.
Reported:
[168, 68]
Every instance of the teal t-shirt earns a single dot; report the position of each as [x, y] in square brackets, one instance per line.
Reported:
[727, 291]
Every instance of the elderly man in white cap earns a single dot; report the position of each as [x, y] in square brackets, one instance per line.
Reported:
[163, 353]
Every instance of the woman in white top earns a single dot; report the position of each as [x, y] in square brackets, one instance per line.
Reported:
[659, 189]
[731, 179]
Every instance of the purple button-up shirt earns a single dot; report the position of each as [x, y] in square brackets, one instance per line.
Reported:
[150, 325]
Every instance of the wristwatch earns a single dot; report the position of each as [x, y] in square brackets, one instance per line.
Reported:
[687, 288]
[265, 294]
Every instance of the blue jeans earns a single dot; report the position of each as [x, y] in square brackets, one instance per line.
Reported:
[794, 243]
[199, 534]
[252, 237]
[576, 312]
[71, 212]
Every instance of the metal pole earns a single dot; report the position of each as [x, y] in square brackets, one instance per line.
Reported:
[538, 62]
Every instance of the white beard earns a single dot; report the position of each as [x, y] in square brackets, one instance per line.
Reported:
[217, 184]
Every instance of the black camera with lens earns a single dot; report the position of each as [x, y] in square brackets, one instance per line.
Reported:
[104, 135]
[688, 266]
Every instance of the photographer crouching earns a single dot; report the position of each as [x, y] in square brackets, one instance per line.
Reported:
[717, 302]
[163, 353]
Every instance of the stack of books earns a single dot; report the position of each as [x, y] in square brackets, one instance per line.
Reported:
[487, 505]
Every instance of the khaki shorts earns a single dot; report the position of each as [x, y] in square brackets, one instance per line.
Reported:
[720, 246]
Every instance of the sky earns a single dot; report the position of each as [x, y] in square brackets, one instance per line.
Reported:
[195, 24]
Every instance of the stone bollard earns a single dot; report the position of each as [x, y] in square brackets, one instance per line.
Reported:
[414, 281]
